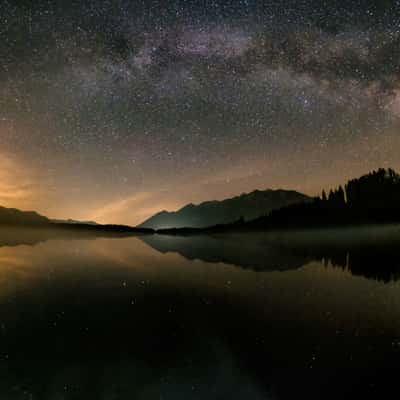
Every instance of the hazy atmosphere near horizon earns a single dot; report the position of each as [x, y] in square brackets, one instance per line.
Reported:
[114, 110]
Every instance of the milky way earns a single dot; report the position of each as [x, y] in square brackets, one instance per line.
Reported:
[112, 110]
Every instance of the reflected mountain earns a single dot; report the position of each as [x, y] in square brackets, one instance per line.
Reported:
[371, 251]
[251, 251]
[247, 206]
[32, 235]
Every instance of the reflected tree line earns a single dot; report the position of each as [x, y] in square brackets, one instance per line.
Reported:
[380, 265]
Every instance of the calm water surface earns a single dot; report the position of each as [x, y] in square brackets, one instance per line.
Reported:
[261, 316]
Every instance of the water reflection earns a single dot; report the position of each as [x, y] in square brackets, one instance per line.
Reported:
[372, 252]
[102, 318]
[15, 236]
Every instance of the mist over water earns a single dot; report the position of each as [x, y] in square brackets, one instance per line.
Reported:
[248, 316]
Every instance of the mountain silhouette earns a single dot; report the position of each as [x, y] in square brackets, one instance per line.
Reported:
[12, 216]
[73, 221]
[247, 206]
[373, 198]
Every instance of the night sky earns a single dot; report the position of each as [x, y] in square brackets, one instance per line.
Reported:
[112, 110]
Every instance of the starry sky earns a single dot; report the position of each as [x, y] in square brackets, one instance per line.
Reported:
[112, 110]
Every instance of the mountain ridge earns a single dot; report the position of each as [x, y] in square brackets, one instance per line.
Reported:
[212, 212]
[10, 217]
[18, 217]
[372, 198]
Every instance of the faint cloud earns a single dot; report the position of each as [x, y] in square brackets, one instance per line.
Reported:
[130, 210]
[17, 185]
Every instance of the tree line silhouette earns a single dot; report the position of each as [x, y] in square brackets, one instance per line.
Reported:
[372, 198]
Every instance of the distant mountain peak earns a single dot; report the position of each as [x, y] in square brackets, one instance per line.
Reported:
[247, 205]
[13, 216]
[73, 222]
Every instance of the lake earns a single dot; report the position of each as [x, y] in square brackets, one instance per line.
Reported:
[313, 314]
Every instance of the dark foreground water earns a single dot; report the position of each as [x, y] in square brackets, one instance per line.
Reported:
[312, 315]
